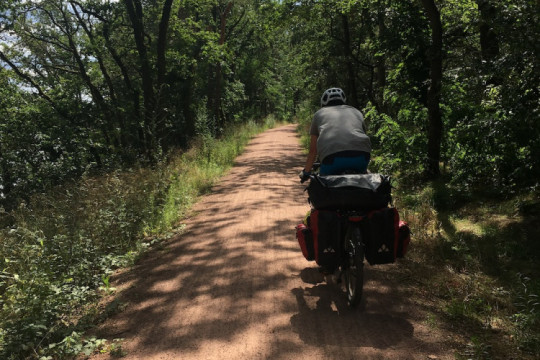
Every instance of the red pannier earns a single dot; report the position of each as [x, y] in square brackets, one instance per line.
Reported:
[385, 237]
[305, 240]
[327, 229]
[320, 239]
[404, 238]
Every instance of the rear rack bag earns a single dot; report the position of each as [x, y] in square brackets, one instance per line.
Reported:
[350, 192]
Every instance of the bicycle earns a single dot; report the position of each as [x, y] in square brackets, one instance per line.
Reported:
[349, 259]
[350, 221]
[350, 251]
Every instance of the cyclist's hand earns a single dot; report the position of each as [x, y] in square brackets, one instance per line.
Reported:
[304, 175]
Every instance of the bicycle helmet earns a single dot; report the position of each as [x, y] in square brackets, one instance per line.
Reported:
[332, 94]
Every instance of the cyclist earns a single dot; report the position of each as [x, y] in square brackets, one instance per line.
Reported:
[338, 137]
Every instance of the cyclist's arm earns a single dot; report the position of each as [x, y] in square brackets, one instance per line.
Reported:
[312, 155]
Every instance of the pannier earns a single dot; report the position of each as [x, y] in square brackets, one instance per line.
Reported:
[404, 238]
[350, 192]
[380, 235]
[304, 236]
[385, 236]
[327, 231]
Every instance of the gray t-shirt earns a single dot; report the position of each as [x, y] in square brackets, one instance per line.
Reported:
[339, 128]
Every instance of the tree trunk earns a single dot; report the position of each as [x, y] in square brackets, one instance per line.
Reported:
[134, 10]
[489, 42]
[7, 182]
[162, 97]
[435, 125]
[353, 94]
[112, 114]
[380, 67]
[162, 41]
[216, 96]
[135, 139]
[32, 83]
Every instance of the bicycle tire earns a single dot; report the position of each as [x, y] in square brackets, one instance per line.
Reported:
[354, 265]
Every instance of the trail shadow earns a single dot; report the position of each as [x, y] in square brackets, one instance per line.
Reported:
[497, 244]
[324, 318]
[311, 276]
[204, 286]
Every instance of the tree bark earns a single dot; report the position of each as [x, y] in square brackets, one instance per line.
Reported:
[162, 41]
[96, 95]
[353, 93]
[32, 83]
[161, 70]
[138, 139]
[113, 110]
[435, 125]
[216, 96]
[489, 42]
[7, 180]
[134, 10]
[380, 67]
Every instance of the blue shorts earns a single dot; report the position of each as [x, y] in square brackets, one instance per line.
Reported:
[342, 164]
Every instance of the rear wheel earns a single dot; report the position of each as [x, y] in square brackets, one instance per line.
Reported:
[354, 265]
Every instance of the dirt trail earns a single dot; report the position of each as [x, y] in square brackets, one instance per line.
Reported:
[235, 284]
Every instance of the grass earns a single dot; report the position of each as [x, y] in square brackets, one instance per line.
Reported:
[477, 258]
[58, 251]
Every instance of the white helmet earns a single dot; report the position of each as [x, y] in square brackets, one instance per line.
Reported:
[332, 94]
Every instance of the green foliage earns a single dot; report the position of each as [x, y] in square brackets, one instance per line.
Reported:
[58, 253]
[398, 146]
[527, 317]
[80, 96]
[490, 82]
[476, 350]
[303, 117]
[471, 254]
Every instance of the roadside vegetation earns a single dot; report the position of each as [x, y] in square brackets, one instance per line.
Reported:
[474, 266]
[59, 252]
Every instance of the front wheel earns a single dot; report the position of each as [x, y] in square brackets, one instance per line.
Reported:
[354, 265]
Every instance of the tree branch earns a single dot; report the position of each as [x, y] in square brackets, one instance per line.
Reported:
[29, 80]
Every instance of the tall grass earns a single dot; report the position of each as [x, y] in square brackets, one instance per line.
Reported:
[476, 258]
[57, 252]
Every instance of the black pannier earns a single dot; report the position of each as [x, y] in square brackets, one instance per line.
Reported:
[350, 192]
[380, 232]
[327, 229]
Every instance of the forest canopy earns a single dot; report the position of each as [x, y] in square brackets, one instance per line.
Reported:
[446, 86]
